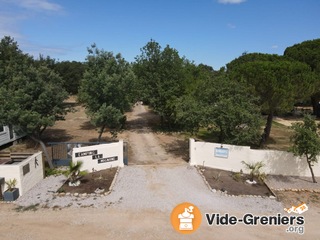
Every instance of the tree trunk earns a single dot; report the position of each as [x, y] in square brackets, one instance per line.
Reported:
[42, 130]
[315, 106]
[221, 136]
[162, 121]
[311, 170]
[267, 130]
[101, 132]
[44, 149]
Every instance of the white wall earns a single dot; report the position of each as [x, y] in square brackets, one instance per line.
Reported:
[30, 179]
[276, 162]
[36, 173]
[8, 173]
[99, 157]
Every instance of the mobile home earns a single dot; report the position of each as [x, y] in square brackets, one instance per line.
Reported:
[7, 135]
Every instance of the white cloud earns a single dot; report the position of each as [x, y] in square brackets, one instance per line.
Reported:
[231, 1]
[14, 12]
[36, 5]
[274, 46]
[9, 25]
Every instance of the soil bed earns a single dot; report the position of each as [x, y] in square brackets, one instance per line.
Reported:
[92, 181]
[233, 184]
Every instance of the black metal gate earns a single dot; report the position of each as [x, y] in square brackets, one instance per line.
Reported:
[125, 153]
[61, 152]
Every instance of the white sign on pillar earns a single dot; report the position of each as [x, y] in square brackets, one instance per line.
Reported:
[99, 157]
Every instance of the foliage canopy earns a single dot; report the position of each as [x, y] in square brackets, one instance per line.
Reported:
[107, 89]
[31, 94]
[278, 82]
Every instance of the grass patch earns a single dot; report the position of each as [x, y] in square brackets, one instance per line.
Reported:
[33, 207]
[207, 135]
[54, 171]
[237, 176]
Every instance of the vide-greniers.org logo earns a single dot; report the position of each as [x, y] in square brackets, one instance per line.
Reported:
[250, 219]
[294, 223]
[186, 219]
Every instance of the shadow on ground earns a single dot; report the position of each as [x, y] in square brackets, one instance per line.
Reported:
[178, 148]
[56, 135]
[144, 120]
[87, 126]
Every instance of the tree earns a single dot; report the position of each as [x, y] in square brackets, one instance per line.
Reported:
[71, 74]
[107, 88]
[31, 95]
[308, 52]
[229, 109]
[189, 109]
[188, 113]
[161, 78]
[250, 57]
[196, 75]
[108, 116]
[146, 68]
[278, 82]
[306, 142]
[33, 101]
[12, 59]
[171, 84]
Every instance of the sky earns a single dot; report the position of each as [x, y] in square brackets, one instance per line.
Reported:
[211, 32]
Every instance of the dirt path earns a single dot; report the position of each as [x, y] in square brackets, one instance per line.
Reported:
[285, 122]
[289, 122]
[144, 144]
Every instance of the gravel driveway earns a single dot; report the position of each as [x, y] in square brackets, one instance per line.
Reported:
[151, 187]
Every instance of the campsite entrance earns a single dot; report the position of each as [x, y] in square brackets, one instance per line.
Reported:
[60, 153]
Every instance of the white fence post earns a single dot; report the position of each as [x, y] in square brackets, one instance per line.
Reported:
[192, 149]
[121, 164]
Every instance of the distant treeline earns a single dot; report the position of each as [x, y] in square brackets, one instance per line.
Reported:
[227, 103]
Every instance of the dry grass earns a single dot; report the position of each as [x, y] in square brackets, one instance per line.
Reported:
[279, 137]
[290, 198]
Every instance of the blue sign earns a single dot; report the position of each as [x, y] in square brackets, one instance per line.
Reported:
[221, 152]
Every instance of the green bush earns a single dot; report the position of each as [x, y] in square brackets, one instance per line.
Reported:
[54, 172]
[237, 176]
